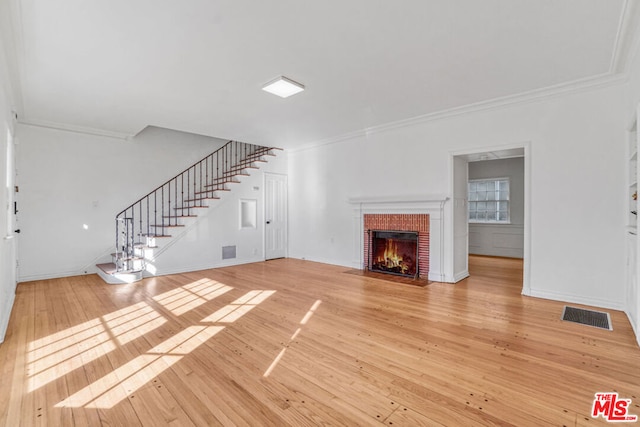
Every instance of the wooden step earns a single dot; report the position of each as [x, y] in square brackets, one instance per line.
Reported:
[213, 190]
[253, 159]
[170, 217]
[110, 274]
[191, 207]
[260, 153]
[235, 171]
[108, 267]
[217, 189]
[166, 226]
[219, 185]
[231, 174]
[224, 179]
[200, 199]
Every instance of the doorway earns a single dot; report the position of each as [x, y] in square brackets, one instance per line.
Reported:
[460, 215]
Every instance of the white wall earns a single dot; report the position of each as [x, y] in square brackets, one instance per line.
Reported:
[500, 239]
[68, 180]
[577, 236]
[7, 237]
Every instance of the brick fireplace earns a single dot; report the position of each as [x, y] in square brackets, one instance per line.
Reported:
[418, 223]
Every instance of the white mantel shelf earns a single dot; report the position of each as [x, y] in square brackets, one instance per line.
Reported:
[430, 198]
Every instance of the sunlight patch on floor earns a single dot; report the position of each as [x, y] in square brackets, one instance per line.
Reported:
[232, 312]
[193, 295]
[58, 354]
[125, 380]
[54, 356]
[303, 322]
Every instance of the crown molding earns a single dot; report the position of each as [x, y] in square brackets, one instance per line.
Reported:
[76, 129]
[625, 49]
[627, 38]
[576, 86]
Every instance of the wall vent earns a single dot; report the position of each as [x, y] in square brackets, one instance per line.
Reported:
[228, 252]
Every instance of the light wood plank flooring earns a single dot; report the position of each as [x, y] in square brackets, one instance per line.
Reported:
[290, 342]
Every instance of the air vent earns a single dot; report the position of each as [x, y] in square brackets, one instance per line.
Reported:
[597, 319]
[228, 252]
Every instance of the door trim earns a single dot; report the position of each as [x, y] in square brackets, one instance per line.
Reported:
[526, 274]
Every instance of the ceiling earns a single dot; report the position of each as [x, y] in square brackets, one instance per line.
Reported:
[117, 66]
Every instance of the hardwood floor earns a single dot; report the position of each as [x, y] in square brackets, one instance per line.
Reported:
[290, 342]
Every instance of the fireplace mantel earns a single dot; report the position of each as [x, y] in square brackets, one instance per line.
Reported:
[432, 204]
[394, 199]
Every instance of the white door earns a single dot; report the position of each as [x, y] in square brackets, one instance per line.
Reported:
[11, 244]
[275, 216]
[8, 269]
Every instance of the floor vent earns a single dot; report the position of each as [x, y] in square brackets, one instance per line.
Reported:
[597, 319]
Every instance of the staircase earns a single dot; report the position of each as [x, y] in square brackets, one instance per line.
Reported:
[140, 226]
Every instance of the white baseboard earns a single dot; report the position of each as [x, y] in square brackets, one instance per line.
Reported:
[576, 299]
[47, 276]
[4, 322]
[202, 266]
[634, 326]
[460, 276]
[329, 261]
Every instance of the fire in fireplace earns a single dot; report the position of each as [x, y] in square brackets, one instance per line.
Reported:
[394, 252]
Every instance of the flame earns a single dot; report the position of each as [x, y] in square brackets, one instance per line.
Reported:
[390, 258]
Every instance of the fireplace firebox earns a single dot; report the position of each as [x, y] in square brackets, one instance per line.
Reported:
[394, 252]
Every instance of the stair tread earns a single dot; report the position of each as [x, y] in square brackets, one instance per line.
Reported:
[203, 198]
[218, 189]
[108, 267]
[224, 179]
[166, 226]
[155, 235]
[253, 158]
[111, 269]
[180, 216]
[207, 192]
[120, 254]
[232, 171]
[192, 207]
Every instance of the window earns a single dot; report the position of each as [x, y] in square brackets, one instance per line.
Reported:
[489, 200]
